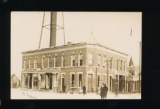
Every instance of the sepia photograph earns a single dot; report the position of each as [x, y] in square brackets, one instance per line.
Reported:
[76, 55]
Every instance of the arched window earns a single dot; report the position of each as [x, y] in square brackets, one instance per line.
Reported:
[49, 59]
[29, 63]
[111, 63]
[35, 63]
[62, 60]
[55, 60]
[121, 65]
[42, 63]
[104, 61]
[117, 64]
[73, 59]
[80, 60]
[24, 64]
[99, 60]
[90, 59]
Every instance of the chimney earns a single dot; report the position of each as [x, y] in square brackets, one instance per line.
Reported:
[53, 29]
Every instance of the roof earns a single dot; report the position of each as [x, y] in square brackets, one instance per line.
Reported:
[75, 44]
[15, 76]
[131, 62]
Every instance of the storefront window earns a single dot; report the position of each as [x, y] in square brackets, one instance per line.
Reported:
[72, 80]
[35, 83]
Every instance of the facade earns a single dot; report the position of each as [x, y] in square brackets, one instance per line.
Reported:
[74, 65]
[15, 82]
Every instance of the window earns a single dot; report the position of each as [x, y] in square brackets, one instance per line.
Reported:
[80, 61]
[26, 80]
[35, 83]
[99, 60]
[117, 64]
[26, 63]
[124, 66]
[104, 61]
[43, 81]
[79, 80]
[55, 80]
[111, 64]
[35, 63]
[98, 80]
[24, 67]
[72, 80]
[49, 59]
[51, 62]
[73, 62]
[62, 60]
[104, 79]
[45, 62]
[108, 63]
[56, 56]
[42, 63]
[55, 60]
[121, 65]
[90, 59]
[29, 63]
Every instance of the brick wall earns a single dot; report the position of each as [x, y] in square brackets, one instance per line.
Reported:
[67, 58]
[96, 52]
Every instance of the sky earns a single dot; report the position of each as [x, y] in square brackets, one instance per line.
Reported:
[119, 30]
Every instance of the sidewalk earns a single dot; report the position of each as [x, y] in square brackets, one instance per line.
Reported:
[30, 94]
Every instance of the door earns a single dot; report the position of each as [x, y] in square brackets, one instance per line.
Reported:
[62, 83]
[90, 77]
[110, 82]
[120, 83]
[30, 81]
[50, 82]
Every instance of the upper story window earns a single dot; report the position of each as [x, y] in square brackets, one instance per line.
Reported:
[49, 59]
[117, 64]
[35, 63]
[55, 60]
[90, 59]
[30, 63]
[73, 62]
[80, 60]
[24, 64]
[121, 65]
[62, 60]
[99, 60]
[111, 63]
[42, 63]
[124, 66]
[104, 61]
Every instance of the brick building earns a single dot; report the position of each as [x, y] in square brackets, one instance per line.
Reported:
[76, 65]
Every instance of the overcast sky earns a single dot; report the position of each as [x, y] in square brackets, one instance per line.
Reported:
[112, 29]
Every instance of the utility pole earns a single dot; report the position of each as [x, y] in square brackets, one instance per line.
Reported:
[139, 66]
[107, 72]
[63, 28]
